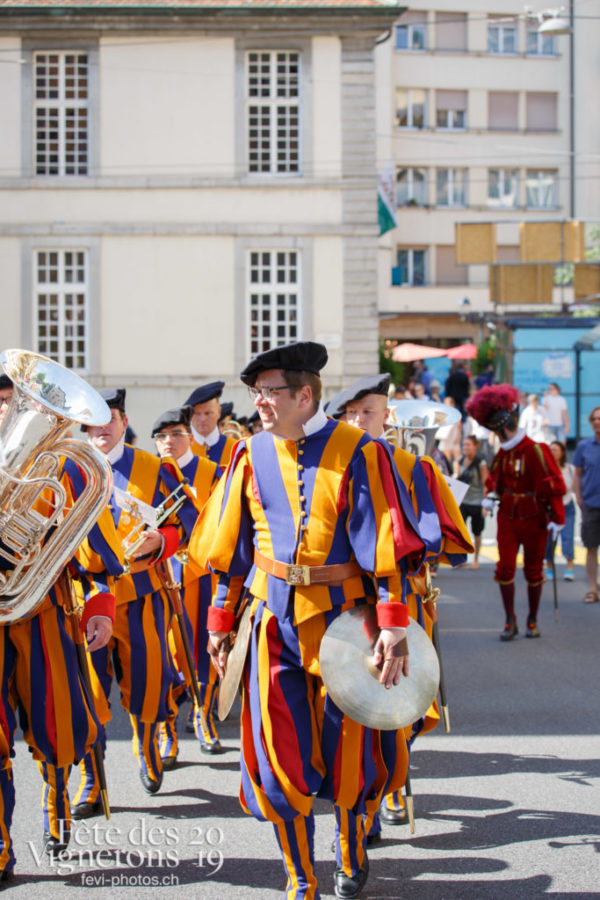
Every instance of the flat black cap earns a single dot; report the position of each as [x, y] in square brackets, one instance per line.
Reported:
[303, 356]
[205, 392]
[114, 397]
[5, 381]
[226, 410]
[181, 415]
[368, 384]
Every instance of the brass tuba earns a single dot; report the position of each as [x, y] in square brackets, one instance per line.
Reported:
[39, 528]
[412, 424]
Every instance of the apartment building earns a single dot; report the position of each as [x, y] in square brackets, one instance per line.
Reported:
[474, 110]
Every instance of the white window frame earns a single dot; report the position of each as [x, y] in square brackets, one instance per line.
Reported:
[543, 44]
[452, 188]
[410, 109]
[413, 187]
[504, 31]
[534, 183]
[504, 175]
[54, 299]
[456, 119]
[61, 151]
[273, 297]
[411, 251]
[415, 37]
[270, 104]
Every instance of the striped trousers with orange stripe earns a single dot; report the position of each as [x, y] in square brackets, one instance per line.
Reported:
[297, 744]
[138, 656]
[39, 676]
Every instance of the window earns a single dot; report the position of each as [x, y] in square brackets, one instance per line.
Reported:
[410, 267]
[451, 187]
[539, 44]
[61, 307]
[411, 34]
[503, 111]
[274, 298]
[502, 35]
[451, 32]
[61, 113]
[451, 109]
[541, 189]
[273, 101]
[447, 271]
[410, 108]
[503, 188]
[411, 187]
[541, 111]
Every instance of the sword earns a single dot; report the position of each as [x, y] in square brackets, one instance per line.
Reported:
[431, 599]
[410, 808]
[171, 587]
[554, 582]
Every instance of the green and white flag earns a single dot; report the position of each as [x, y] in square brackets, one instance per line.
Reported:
[386, 200]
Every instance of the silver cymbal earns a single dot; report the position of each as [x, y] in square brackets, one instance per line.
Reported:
[236, 659]
[352, 681]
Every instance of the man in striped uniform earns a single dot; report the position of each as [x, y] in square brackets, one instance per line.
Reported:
[173, 437]
[206, 412]
[310, 516]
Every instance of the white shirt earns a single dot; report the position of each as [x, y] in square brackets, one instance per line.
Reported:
[554, 406]
[210, 439]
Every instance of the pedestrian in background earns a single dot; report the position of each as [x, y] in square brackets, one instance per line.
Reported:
[586, 485]
[472, 469]
[532, 419]
[555, 409]
[458, 386]
[567, 535]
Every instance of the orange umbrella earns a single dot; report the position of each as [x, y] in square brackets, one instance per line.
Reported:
[463, 351]
[408, 352]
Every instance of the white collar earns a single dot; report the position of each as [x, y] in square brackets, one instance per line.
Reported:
[114, 455]
[508, 445]
[210, 439]
[186, 459]
[315, 423]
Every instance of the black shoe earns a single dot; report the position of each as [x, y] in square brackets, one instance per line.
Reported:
[6, 877]
[86, 810]
[510, 631]
[53, 846]
[213, 748]
[169, 763]
[346, 887]
[373, 839]
[532, 629]
[393, 816]
[149, 784]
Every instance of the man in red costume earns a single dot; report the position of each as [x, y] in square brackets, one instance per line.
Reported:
[527, 481]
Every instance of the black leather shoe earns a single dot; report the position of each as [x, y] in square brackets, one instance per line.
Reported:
[6, 877]
[212, 749]
[532, 629]
[510, 631]
[373, 839]
[346, 887]
[393, 816]
[86, 810]
[53, 846]
[149, 784]
[169, 763]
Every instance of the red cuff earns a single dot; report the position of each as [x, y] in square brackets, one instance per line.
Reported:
[100, 605]
[171, 539]
[219, 619]
[392, 615]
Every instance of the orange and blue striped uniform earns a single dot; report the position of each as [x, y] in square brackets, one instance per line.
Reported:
[325, 499]
[196, 593]
[138, 652]
[219, 453]
[39, 676]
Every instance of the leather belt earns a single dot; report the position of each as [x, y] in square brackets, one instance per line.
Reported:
[304, 575]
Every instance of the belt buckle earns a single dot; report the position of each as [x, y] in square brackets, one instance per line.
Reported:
[295, 574]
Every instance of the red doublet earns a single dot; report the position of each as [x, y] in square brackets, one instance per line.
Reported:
[530, 487]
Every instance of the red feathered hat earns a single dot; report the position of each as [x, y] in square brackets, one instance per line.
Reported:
[494, 406]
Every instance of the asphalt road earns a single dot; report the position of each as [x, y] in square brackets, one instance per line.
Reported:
[508, 804]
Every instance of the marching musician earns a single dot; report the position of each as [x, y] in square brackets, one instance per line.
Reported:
[313, 519]
[525, 477]
[173, 437]
[6, 390]
[206, 412]
[138, 652]
[365, 405]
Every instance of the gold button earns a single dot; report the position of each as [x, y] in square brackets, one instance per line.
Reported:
[301, 484]
[303, 513]
[301, 468]
[303, 441]
[302, 498]
[300, 452]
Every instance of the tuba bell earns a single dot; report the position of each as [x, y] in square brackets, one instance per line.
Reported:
[40, 529]
[412, 424]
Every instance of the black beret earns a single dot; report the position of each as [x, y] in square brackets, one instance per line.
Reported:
[303, 356]
[337, 405]
[205, 392]
[5, 382]
[226, 410]
[368, 384]
[253, 418]
[181, 415]
[114, 397]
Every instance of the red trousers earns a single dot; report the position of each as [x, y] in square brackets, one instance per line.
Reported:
[532, 533]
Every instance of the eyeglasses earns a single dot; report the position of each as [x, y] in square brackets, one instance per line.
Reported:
[162, 436]
[266, 392]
